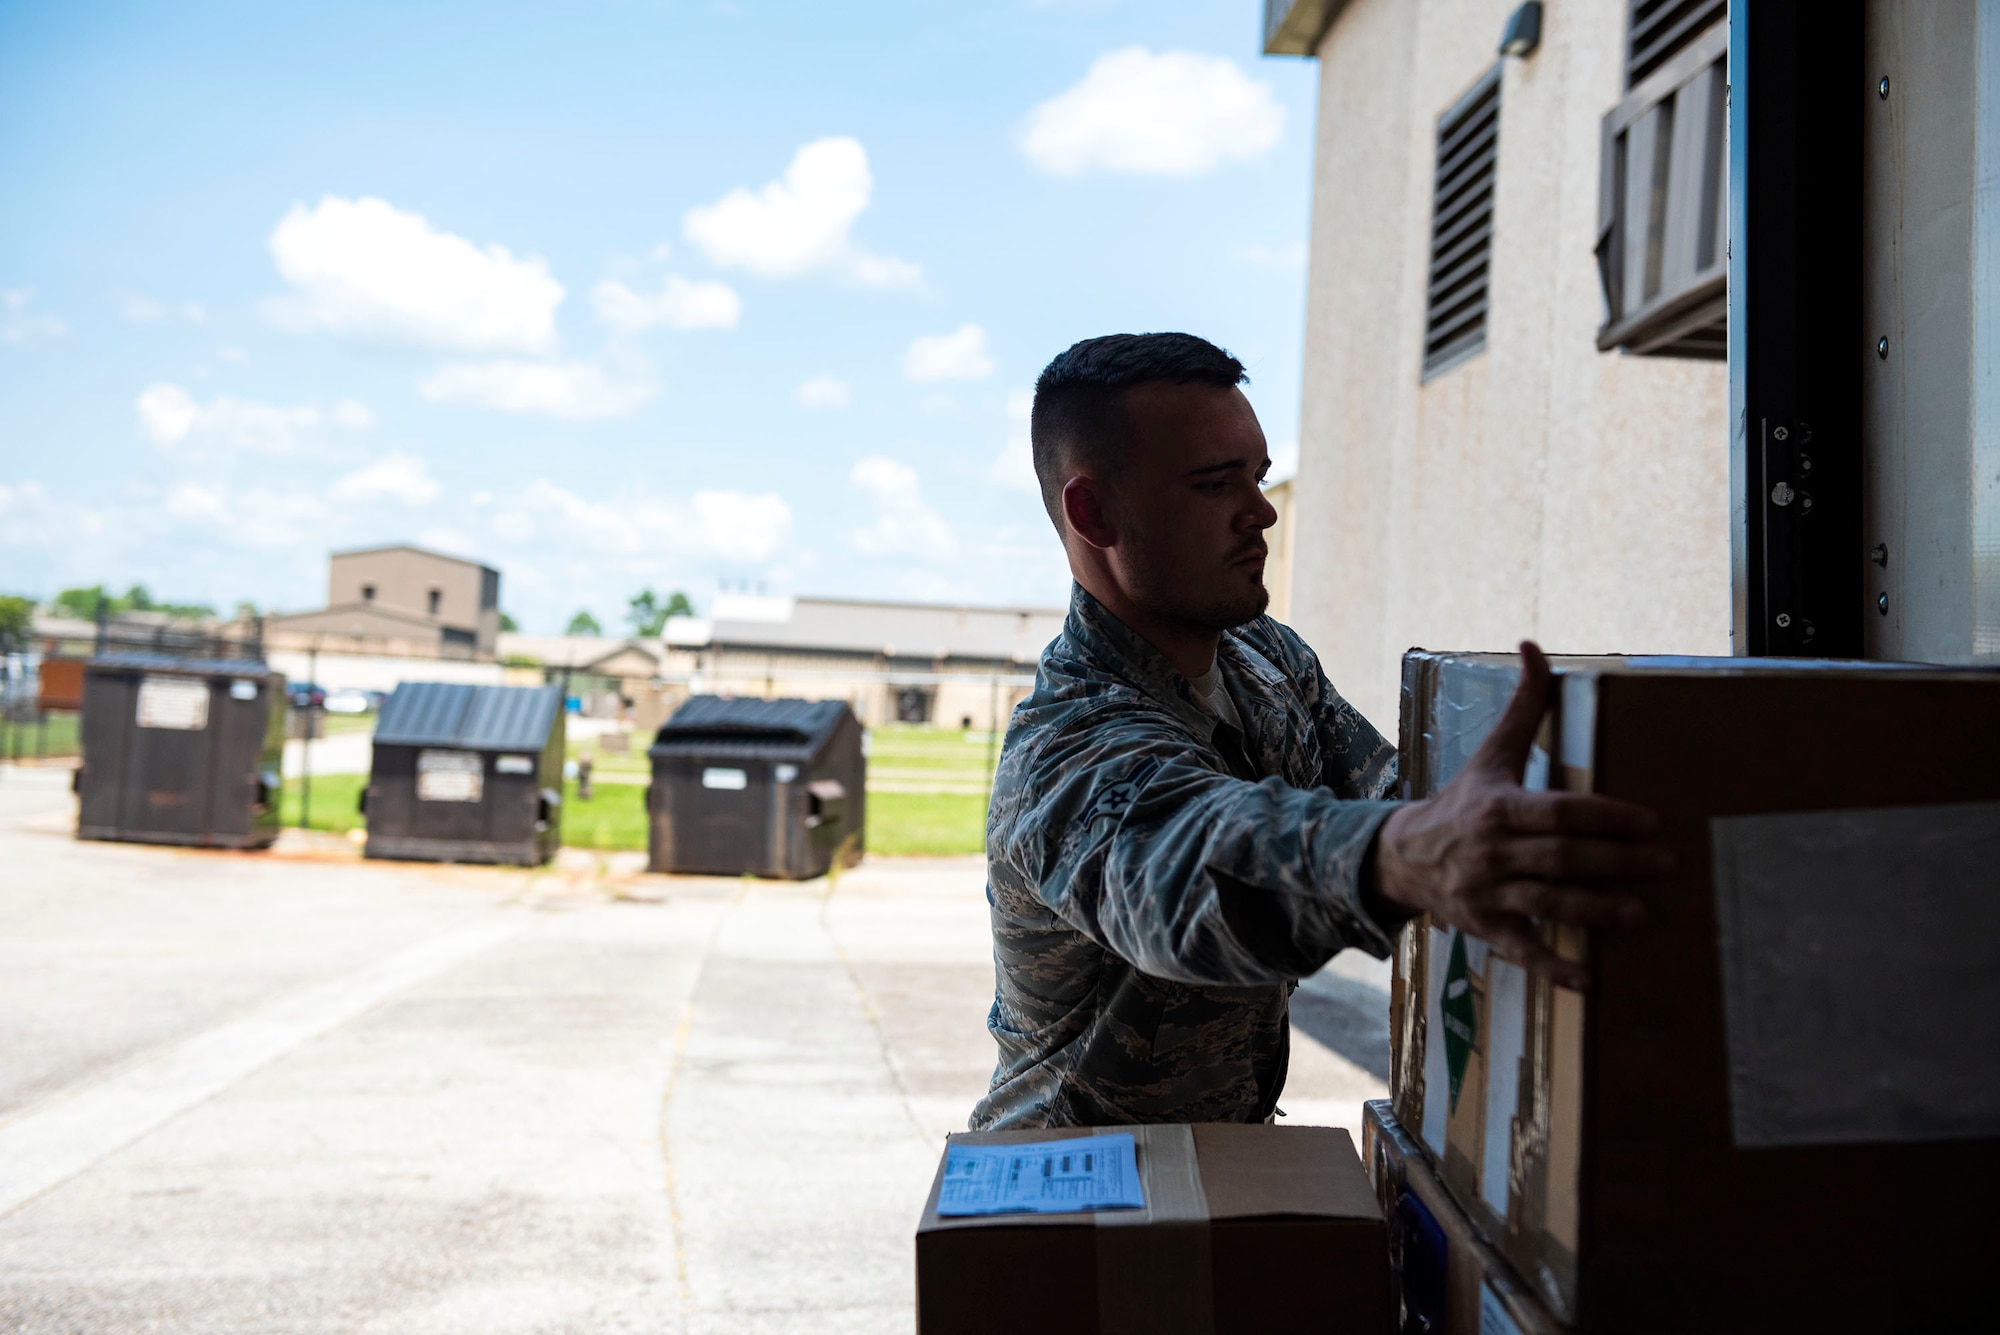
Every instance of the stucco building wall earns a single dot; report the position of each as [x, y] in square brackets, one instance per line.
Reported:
[1541, 489]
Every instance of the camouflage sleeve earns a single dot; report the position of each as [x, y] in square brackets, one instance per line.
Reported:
[1135, 839]
[1356, 760]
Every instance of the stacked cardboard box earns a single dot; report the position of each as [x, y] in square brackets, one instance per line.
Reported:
[1448, 1279]
[1779, 1105]
[1245, 1230]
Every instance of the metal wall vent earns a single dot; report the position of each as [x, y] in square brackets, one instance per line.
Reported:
[1660, 29]
[1468, 153]
[1663, 206]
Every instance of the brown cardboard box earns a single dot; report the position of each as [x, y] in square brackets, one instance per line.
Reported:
[1289, 1239]
[1779, 1105]
[1447, 1280]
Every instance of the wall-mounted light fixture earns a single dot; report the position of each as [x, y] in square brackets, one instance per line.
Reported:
[1523, 32]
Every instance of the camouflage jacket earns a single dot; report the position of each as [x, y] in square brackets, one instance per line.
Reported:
[1158, 881]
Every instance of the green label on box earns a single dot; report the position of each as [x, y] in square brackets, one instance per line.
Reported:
[1461, 1021]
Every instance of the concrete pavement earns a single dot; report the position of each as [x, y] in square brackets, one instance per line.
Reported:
[294, 1092]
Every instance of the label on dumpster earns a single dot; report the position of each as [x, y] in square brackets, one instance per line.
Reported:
[173, 702]
[449, 776]
[1047, 1177]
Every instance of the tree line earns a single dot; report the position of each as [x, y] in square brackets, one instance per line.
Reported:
[645, 612]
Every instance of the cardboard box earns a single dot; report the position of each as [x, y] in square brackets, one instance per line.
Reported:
[1447, 1279]
[1285, 1236]
[1779, 1105]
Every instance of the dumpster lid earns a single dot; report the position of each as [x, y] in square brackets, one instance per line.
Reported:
[472, 718]
[707, 722]
[193, 667]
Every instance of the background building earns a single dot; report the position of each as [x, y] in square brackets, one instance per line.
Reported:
[400, 601]
[891, 662]
[1474, 468]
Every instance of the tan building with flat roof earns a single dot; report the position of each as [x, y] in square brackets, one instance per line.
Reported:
[399, 600]
[1473, 468]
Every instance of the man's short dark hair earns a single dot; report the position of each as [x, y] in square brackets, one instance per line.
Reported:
[1079, 415]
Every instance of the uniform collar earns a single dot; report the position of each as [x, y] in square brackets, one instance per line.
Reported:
[1110, 645]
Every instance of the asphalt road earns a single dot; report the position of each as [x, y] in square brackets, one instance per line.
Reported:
[292, 1092]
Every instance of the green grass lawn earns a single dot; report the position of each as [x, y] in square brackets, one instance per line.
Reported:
[54, 735]
[910, 746]
[335, 802]
[613, 819]
[933, 824]
[899, 824]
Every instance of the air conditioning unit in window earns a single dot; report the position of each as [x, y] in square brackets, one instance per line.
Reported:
[1663, 208]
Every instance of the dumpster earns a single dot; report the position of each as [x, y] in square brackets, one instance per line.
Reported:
[768, 787]
[466, 774]
[180, 751]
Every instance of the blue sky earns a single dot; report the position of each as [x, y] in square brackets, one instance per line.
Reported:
[608, 295]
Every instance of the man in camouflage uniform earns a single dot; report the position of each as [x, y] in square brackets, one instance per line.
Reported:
[1187, 817]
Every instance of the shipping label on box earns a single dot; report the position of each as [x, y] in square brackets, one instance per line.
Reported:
[1242, 1230]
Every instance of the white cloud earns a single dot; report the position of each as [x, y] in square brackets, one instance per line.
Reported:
[576, 391]
[30, 517]
[799, 223]
[18, 324]
[233, 355]
[138, 307]
[734, 526]
[1177, 113]
[959, 355]
[740, 527]
[366, 268]
[447, 540]
[904, 525]
[353, 414]
[396, 476]
[196, 500]
[169, 416]
[264, 518]
[823, 391]
[679, 305]
[1015, 466]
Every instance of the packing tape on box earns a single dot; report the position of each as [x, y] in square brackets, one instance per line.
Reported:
[1155, 1274]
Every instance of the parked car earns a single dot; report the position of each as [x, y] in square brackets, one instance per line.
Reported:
[347, 702]
[306, 695]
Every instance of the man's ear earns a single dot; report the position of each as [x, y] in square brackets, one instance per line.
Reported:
[1083, 509]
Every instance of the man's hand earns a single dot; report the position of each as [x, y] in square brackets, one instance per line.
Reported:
[1487, 855]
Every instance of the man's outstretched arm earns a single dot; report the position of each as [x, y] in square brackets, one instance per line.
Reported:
[1489, 856]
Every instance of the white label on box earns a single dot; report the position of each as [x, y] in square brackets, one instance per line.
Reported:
[449, 776]
[1437, 1079]
[1857, 973]
[241, 689]
[729, 779]
[173, 702]
[514, 765]
[1050, 1177]
[1506, 1037]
